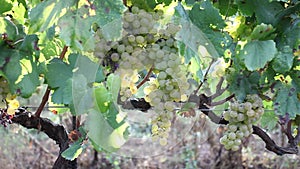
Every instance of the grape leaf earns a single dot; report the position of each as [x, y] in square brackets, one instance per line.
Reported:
[63, 94]
[29, 44]
[256, 54]
[75, 28]
[103, 98]
[111, 24]
[262, 32]
[9, 28]
[269, 120]
[46, 14]
[113, 84]
[191, 35]
[102, 134]
[12, 68]
[227, 7]
[5, 6]
[147, 5]
[29, 83]
[241, 84]
[205, 15]
[91, 70]
[286, 101]
[76, 148]
[59, 76]
[264, 10]
[82, 95]
[283, 60]
[58, 73]
[208, 19]
[72, 152]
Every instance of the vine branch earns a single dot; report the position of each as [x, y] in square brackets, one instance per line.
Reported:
[146, 78]
[48, 90]
[204, 78]
[53, 131]
[43, 103]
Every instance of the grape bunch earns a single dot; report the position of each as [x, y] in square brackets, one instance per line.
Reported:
[148, 45]
[241, 117]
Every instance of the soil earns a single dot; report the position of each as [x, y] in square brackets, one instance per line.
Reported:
[21, 148]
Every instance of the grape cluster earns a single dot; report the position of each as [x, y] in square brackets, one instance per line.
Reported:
[161, 127]
[241, 116]
[146, 45]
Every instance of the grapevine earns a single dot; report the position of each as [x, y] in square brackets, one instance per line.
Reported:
[97, 59]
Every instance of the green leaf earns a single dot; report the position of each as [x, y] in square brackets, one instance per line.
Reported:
[164, 2]
[29, 44]
[103, 98]
[256, 54]
[113, 84]
[5, 6]
[9, 28]
[73, 151]
[269, 120]
[241, 84]
[147, 5]
[264, 10]
[227, 7]
[12, 68]
[75, 28]
[192, 36]
[58, 73]
[76, 148]
[91, 70]
[283, 60]
[111, 24]
[46, 14]
[104, 135]
[64, 93]
[62, 77]
[262, 32]
[205, 15]
[286, 101]
[28, 84]
[82, 95]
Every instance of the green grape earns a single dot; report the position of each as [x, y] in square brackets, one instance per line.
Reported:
[235, 148]
[241, 117]
[233, 114]
[231, 135]
[232, 127]
[145, 44]
[115, 57]
[140, 39]
[163, 141]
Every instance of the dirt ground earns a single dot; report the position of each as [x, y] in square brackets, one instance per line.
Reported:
[27, 149]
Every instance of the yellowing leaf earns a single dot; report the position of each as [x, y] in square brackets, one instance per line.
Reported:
[10, 97]
[13, 104]
[11, 111]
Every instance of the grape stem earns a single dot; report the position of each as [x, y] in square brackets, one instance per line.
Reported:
[219, 90]
[222, 101]
[48, 90]
[204, 77]
[146, 78]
